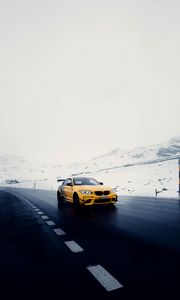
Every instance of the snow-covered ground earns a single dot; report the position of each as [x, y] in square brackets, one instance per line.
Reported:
[138, 172]
[133, 180]
[144, 179]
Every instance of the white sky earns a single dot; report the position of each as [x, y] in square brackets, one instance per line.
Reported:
[79, 78]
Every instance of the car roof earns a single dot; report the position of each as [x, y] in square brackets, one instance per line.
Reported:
[75, 177]
[80, 177]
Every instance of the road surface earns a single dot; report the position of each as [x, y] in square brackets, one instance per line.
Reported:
[129, 252]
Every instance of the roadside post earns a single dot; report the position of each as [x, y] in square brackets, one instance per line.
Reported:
[179, 176]
[156, 192]
[34, 184]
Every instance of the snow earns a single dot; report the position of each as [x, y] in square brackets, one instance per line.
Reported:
[138, 172]
[144, 179]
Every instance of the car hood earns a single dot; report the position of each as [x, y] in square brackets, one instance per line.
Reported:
[93, 187]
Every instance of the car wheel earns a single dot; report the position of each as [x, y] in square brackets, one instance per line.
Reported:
[76, 201]
[60, 199]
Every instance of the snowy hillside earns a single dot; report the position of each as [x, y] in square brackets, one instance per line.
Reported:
[136, 172]
[142, 155]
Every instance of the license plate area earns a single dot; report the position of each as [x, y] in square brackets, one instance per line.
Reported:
[104, 198]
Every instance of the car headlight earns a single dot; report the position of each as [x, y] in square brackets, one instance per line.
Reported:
[84, 192]
[113, 190]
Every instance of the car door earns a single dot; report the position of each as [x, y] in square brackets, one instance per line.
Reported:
[68, 189]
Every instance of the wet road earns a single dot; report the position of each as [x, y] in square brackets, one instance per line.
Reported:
[131, 251]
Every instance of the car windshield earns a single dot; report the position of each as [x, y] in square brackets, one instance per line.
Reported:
[85, 181]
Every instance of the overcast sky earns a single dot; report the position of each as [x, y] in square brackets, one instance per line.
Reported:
[79, 77]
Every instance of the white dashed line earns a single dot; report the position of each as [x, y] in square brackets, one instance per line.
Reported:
[73, 246]
[40, 212]
[37, 209]
[44, 217]
[104, 278]
[59, 231]
[50, 223]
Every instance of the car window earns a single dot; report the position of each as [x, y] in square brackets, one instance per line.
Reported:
[93, 181]
[85, 181]
[78, 182]
[68, 182]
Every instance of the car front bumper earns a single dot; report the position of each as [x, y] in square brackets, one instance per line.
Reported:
[98, 200]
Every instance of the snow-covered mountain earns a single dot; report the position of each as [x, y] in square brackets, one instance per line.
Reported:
[119, 158]
[129, 171]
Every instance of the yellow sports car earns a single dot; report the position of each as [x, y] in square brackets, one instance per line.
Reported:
[85, 191]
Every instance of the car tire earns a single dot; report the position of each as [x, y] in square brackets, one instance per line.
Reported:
[76, 201]
[60, 199]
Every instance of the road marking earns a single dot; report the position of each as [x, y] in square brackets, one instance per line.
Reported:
[37, 209]
[104, 278]
[73, 246]
[44, 217]
[40, 212]
[59, 231]
[50, 223]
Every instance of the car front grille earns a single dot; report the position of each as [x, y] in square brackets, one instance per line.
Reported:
[101, 193]
[106, 193]
[102, 201]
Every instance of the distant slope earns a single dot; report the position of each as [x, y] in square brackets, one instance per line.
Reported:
[16, 168]
[118, 158]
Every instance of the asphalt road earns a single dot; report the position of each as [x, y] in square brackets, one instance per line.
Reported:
[129, 252]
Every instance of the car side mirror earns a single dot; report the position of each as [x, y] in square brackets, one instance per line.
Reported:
[101, 183]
